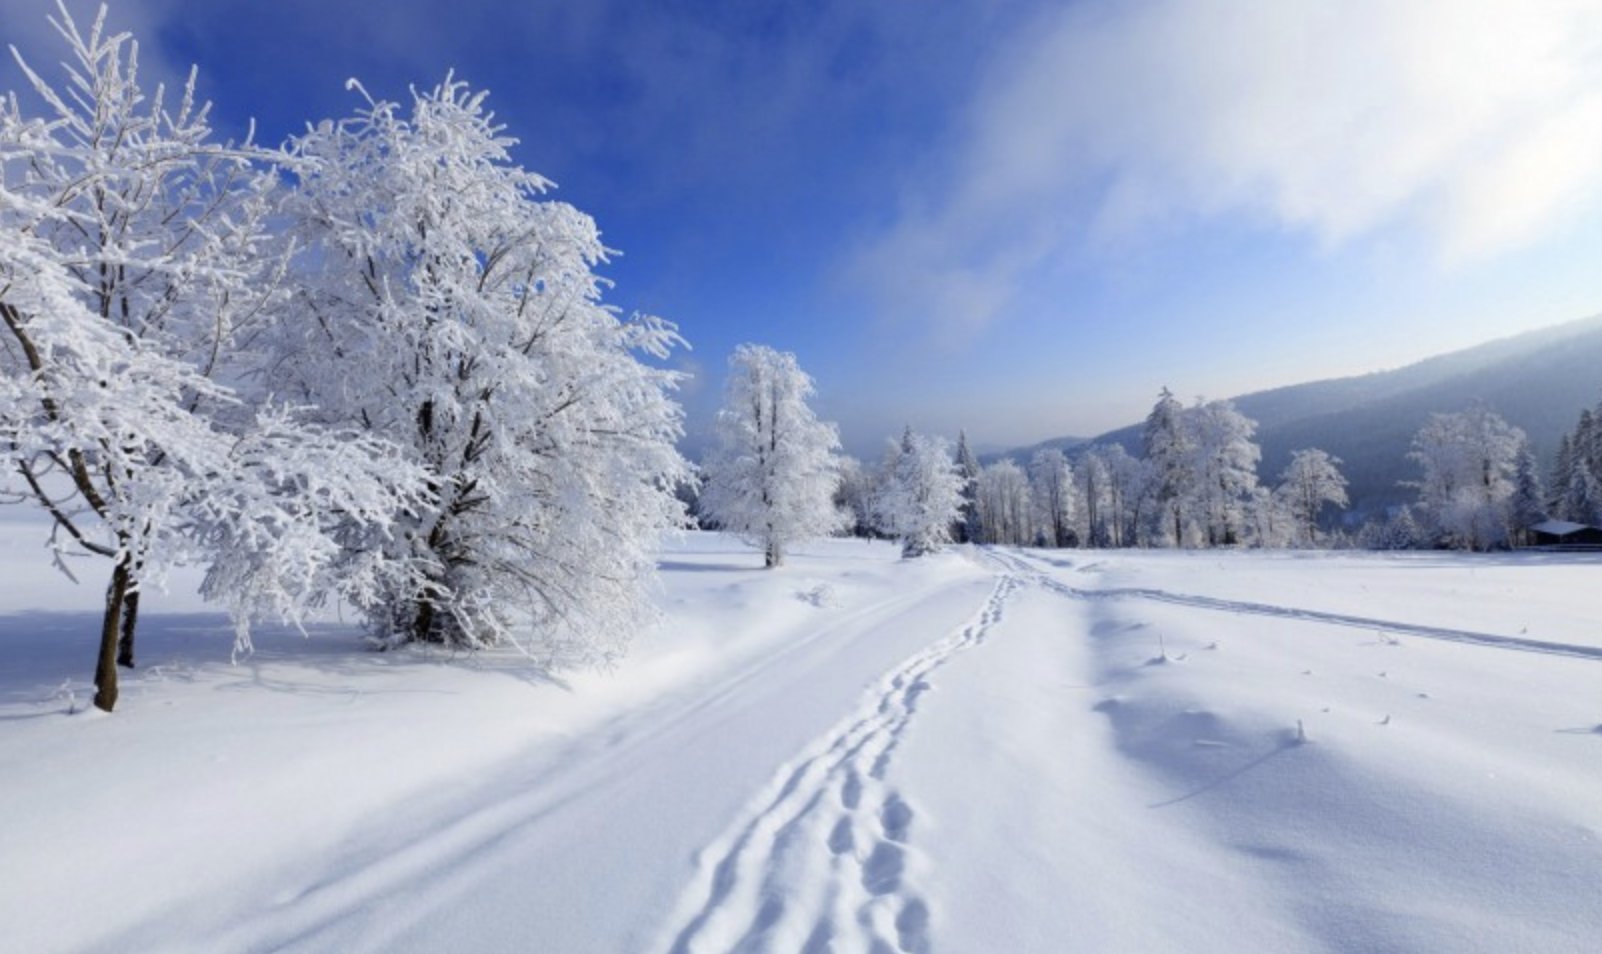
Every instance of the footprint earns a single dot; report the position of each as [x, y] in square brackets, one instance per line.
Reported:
[912, 927]
[818, 942]
[851, 791]
[842, 839]
[881, 873]
[881, 764]
[896, 817]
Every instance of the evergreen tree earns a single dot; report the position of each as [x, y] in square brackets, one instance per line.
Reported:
[1582, 498]
[1529, 497]
[1557, 503]
[969, 528]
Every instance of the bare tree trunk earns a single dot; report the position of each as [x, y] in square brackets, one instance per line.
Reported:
[774, 556]
[106, 670]
[130, 619]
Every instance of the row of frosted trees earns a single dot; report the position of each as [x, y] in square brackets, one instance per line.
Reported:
[372, 365]
[1196, 485]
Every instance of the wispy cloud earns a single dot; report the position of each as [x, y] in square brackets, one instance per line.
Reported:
[28, 27]
[1475, 125]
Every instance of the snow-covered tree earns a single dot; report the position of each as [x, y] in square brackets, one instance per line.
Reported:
[1130, 496]
[1529, 496]
[772, 476]
[854, 495]
[1051, 490]
[920, 494]
[1575, 492]
[452, 310]
[1469, 462]
[1168, 452]
[1004, 506]
[1223, 470]
[1581, 500]
[1091, 489]
[1310, 482]
[135, 260]
[1270, 519]
[1562, 475]
[1399, 531]
[969, 529]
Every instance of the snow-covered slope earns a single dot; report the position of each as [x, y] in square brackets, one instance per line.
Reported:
[980, 751]
[1538, 381]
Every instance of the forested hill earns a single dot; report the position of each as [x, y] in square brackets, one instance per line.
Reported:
[1538, 381]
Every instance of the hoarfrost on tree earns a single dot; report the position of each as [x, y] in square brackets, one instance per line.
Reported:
[1052, 491]
[920, 495]
[453, 311]
[135, 260]
[1310, 482]
[1004, 504]
[1469, 462]
[772, 475]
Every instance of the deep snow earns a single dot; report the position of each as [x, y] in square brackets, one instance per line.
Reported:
[986, 750]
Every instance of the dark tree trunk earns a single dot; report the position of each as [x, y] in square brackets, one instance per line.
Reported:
[106, 669]
[423, 626]
[774, 556]
[130, 619]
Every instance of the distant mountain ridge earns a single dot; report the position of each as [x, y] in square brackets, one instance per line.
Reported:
[1538, 381]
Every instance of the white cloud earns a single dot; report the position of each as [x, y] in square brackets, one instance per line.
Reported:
[1476, 124]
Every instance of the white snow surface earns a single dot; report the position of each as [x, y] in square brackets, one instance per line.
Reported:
[982, 750]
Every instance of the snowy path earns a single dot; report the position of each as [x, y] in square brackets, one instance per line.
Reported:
[824, 859]
[540, 837]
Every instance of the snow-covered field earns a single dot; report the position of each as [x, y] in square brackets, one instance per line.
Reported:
[985, 750]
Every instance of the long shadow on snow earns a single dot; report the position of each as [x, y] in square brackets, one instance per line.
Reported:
[687, 566]
[51, 655]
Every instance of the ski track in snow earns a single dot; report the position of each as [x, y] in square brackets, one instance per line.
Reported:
[823, 864]
[1020, 564]
[303, 911]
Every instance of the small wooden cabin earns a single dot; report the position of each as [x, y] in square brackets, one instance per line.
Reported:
[1564, 533]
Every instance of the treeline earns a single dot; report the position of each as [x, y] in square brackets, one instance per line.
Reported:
[1196, 484]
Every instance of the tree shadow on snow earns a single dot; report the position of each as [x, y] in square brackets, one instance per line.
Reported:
[686, 566]
[50, 658]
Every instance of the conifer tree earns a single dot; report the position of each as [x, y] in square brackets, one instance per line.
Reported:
[969, 528]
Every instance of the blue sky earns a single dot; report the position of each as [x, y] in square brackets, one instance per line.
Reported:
[1017, 218]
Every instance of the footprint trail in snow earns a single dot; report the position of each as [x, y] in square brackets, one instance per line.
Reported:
[824, 860]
